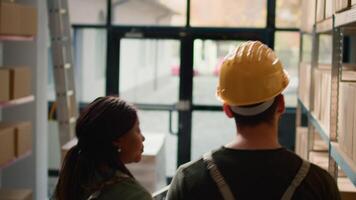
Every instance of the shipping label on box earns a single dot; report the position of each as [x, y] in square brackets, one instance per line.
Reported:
[4, 84]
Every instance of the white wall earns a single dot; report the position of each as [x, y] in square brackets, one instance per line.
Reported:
[32, 171]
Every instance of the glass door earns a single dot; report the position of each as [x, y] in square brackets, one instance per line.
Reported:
[149, 78]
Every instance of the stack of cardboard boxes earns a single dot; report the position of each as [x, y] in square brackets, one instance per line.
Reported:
[347, 119]
[319, 156]
[322, 92]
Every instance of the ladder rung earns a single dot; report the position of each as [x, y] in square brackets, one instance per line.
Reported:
[70, 121]
[67, 93]
[58, 10]
[65, 66]
[60, 39]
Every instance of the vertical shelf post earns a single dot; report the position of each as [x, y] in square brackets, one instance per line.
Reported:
[337, 45]
[314, 64]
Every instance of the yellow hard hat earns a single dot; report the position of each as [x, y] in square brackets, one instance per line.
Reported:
[251, 74]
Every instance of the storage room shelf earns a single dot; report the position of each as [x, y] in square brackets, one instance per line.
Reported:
[316, 123]
[16, 38]
[304, 107]
[345, 18]
[15, 160]
[345, 163]
[325, 26]
[15, 102]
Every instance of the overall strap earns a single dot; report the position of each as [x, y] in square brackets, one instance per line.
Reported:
[217, 177]
[299, 177]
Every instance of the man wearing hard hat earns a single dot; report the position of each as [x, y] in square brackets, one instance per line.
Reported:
[254, 165]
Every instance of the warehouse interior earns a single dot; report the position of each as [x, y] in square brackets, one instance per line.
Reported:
[164, 57]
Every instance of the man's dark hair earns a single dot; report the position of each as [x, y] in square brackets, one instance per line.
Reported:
[264, 117]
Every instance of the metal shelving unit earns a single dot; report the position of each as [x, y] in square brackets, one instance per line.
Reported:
[339, 25]
[15, 102]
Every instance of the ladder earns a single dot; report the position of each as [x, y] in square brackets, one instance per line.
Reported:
[61, 47]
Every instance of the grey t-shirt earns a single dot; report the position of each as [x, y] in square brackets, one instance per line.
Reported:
[252, 174]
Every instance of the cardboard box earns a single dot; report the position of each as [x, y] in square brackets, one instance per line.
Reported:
[17, 19]
[20, 82]
[308, 17]
[4, 84]
[15, 194]
[320, 10]
[329, 8]
[342, 115]
[23, 138]
[7, 144]
[346, 188]
[322, 160]
[304, 83]
[340, 5]
[301, 142]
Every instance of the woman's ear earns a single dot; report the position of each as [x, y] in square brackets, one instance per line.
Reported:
[227, 110]
[281, 104]
[117, 142]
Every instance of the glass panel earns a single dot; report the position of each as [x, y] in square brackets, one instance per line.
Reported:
[287, 49]
[157, 122]
[228, 13]
[307, 48]
[208, 55]
[154, 12]
[149, 70]
[288, 13]
[90, 62]
[325, 49]
[79, 9]
[210, 130]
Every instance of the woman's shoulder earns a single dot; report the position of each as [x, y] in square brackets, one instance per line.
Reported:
[127, 189]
